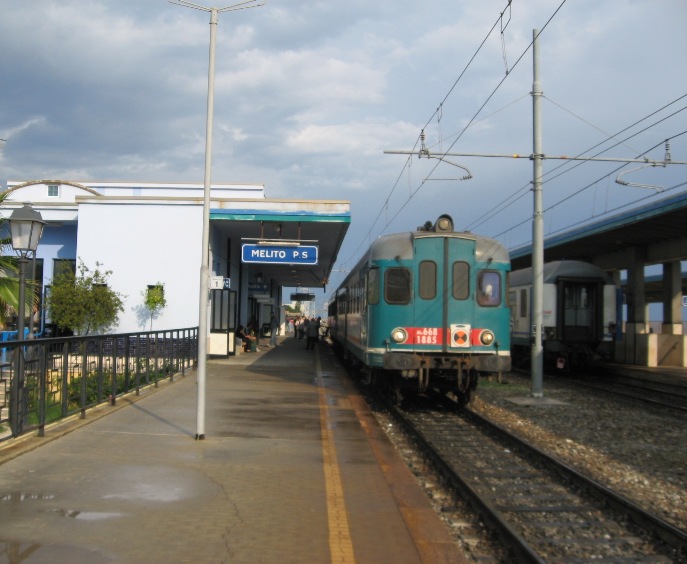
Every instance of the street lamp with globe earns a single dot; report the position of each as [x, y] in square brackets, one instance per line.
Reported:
[26, 226]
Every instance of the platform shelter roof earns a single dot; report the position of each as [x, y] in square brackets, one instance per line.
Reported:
[281, 223]
[657, 228]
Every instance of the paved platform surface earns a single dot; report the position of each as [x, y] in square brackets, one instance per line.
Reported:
[293, 468]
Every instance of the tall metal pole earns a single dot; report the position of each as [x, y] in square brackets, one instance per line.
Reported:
[204, 291]
[537, 351]
[204, 294]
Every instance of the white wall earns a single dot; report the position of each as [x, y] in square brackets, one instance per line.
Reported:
[143, 245]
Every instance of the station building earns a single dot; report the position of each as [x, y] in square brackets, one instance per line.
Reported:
[149, 234]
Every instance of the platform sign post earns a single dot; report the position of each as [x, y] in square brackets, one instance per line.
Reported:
[220, 283]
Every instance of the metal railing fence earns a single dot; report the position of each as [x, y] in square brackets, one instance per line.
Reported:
[45, 380]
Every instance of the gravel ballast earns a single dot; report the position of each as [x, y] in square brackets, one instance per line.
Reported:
[638, 450]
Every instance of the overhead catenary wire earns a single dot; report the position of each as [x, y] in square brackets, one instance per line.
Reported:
[479, 110]
[436, 113]
[570, 166]
[553, 206]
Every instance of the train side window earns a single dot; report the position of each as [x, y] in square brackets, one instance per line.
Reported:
[523, 303]
[489, 284]
[428, 280]
[373, 286]
[512, 299]
[397, 286]
[461, 280]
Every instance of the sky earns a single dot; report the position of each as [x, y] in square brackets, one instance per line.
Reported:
[310, 95]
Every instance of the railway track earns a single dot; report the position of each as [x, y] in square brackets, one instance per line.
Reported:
[542, 510]
[650, 388]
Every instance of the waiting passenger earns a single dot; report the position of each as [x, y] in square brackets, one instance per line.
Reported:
[249, 340]
[312, 333]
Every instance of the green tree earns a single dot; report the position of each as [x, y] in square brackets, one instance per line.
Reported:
[84, 303]
[154, 300]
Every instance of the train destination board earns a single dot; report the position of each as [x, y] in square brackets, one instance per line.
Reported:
[279, 254]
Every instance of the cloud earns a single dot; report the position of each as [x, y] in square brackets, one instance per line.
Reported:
[309, 95]
[18, 129]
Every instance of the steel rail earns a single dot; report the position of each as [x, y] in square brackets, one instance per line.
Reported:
[675, 537]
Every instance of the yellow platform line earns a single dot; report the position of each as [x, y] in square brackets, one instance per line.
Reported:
[340, 543]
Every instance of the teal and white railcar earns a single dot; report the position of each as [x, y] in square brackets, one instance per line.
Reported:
[426, 308]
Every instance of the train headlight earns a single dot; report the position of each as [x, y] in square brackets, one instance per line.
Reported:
[399, 335]
[487, 337]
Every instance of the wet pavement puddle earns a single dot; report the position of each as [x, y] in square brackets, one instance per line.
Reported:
[86, 515]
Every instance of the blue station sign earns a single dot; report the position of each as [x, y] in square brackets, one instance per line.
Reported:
[277, 254]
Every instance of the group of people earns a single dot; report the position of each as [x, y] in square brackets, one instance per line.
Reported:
[303, 328]
[250, 334]
[311, 329]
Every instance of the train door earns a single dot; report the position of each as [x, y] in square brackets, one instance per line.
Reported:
[579, 319]
[443, 308]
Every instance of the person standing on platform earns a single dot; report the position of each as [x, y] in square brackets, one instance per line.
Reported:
[274, 328]
[312, 332]
[301, 328]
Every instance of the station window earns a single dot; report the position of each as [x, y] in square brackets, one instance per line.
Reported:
[428, 280]
[461, 280]
[63, 266]
[53, 191]
[489, 288]
[373, 286]
[397, 285]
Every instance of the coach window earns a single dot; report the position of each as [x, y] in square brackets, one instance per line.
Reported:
[397, 286]
[461, 280]
[428, 280]
[489, 285]
[513, 300]
[523, 303]
[373, 286]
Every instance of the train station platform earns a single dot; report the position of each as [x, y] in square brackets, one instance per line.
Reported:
[293, 469]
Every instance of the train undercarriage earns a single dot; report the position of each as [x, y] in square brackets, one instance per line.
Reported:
[410, 374]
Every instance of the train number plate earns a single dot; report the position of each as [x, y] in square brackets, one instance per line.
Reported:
[425, 335]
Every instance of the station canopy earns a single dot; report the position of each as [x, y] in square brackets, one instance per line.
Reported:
[293, 242]
[657, 229]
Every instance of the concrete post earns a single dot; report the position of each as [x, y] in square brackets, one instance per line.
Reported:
[672, 298]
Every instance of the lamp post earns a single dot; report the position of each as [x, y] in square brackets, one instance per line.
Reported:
[26, 226]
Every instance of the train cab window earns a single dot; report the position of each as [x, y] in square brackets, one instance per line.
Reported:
[428, 280]
[489, 288]
[397, 286]
[373, 286]
[584, 298]
[461, 280]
